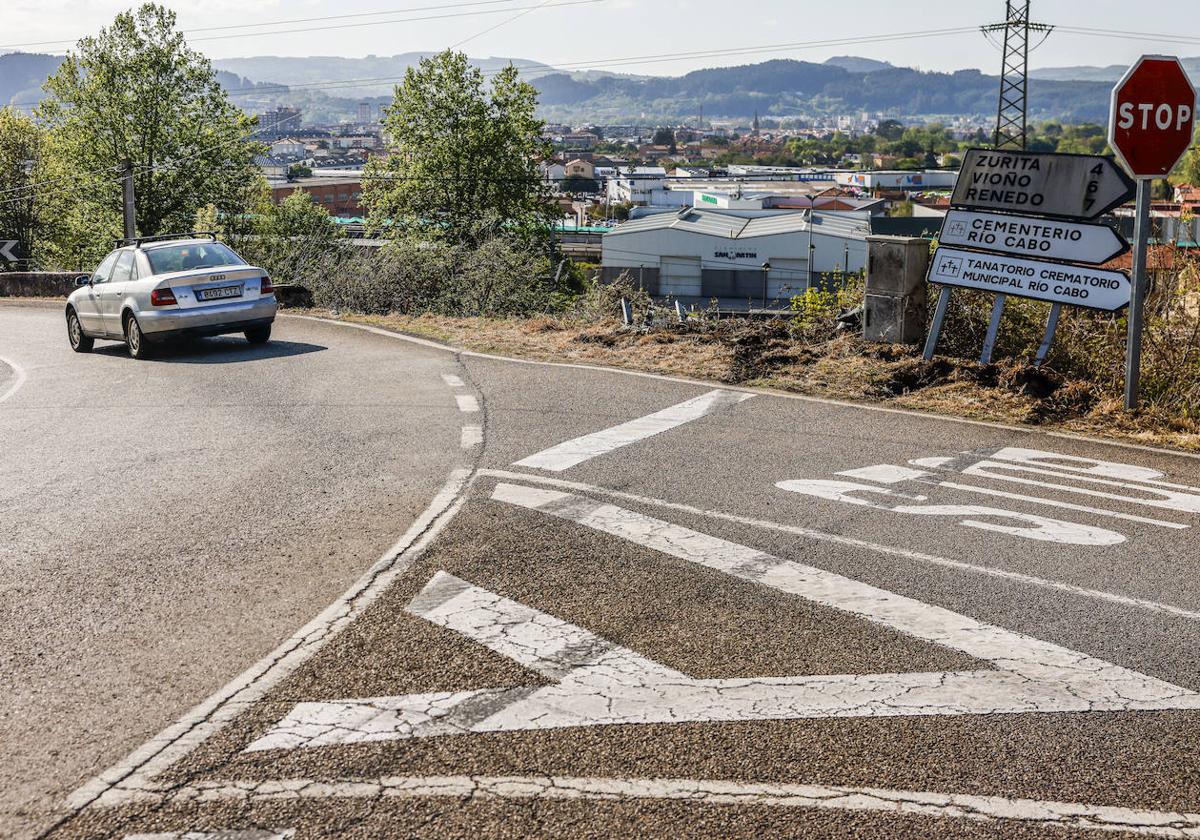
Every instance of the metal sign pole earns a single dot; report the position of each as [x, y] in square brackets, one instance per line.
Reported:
[1133, 343]
[935, 329]
[989, 340]
[1048, 338]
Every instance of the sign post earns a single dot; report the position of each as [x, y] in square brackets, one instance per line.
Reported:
[1150, 125]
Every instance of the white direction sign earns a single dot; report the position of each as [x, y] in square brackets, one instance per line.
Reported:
[8, 250]
[1094, 288]
[1024, 236]
[1046, 183]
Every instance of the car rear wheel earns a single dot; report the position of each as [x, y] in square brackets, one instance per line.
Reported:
[80, 343]
[135, 339]
[259, 335]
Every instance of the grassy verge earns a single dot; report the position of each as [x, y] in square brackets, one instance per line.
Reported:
[767, 354]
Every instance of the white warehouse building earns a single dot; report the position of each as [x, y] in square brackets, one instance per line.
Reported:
[706, 254]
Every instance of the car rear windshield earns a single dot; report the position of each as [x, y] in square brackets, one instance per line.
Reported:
[167, 258]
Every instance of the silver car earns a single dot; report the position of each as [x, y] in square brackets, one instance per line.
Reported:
[156, 289]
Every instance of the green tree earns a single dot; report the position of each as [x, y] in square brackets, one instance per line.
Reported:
[663, 137]
[20, 147]
[136, 92]
[464, 159]
[890, 129]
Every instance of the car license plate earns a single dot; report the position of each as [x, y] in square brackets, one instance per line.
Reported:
[219, 293]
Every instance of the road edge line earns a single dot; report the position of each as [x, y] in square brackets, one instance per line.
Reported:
[179, 739]
[769, 392]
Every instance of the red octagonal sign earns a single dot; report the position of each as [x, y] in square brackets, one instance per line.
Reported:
[1152, 117]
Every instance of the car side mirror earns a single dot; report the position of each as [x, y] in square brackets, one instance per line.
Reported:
[83, 280]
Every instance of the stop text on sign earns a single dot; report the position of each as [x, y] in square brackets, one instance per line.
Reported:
[1145, 115]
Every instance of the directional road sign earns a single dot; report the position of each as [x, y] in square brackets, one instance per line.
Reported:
[10, 250]
[1153, 115]
[1024, 236]
[1093, 288]
[1044, 183]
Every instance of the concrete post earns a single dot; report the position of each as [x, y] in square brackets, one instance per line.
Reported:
[894, 310]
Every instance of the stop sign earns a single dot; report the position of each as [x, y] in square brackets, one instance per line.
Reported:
[1152, 117]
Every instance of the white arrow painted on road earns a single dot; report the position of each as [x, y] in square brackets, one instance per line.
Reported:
[600, 683]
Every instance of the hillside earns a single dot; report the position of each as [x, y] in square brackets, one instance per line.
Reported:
[780, 88]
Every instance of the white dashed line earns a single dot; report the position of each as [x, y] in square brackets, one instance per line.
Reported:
[472, 436]
[974, 808]
[452, 380]
[467, 404]
[580, 449]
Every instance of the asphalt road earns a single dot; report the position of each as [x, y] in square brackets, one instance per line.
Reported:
[614, 605]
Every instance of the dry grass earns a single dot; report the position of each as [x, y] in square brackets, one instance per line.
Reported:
[844, 368]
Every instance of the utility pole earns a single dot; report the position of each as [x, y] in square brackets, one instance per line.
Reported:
[1011, 122]
[128, 207]
[1012, 118]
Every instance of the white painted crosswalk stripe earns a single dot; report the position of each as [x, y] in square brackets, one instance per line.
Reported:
[600, 683]
[577, 450]
[452, 380]
[467, 404]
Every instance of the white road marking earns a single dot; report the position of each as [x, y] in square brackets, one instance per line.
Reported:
[136, 773]
[472, 436]
[853, 542]
[452, 380]
[599, 683]
[569, 453]
[782, 395]
[467, 404]
[892, 474]
[233, 834]
[1158, 494]
[972, 807]
[1088, 466]
[19, 377]
[1039, 528]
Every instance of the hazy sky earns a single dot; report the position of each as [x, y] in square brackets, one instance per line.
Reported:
[588, 31]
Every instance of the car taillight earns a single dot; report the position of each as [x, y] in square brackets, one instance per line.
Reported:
[267, 287]
[163, 297]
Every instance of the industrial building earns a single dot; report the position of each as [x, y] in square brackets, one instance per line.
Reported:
[703, 254]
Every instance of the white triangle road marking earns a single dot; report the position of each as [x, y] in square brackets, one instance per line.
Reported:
[600, 683]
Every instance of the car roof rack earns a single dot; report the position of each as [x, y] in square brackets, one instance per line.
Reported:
[195, 234]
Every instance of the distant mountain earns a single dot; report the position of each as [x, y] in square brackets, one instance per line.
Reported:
[777, 89]
[22, 75]
[383, 71]
[1110, 73]
[857, 64]
[786, 88]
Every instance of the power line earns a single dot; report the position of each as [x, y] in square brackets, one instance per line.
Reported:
[447, 16]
